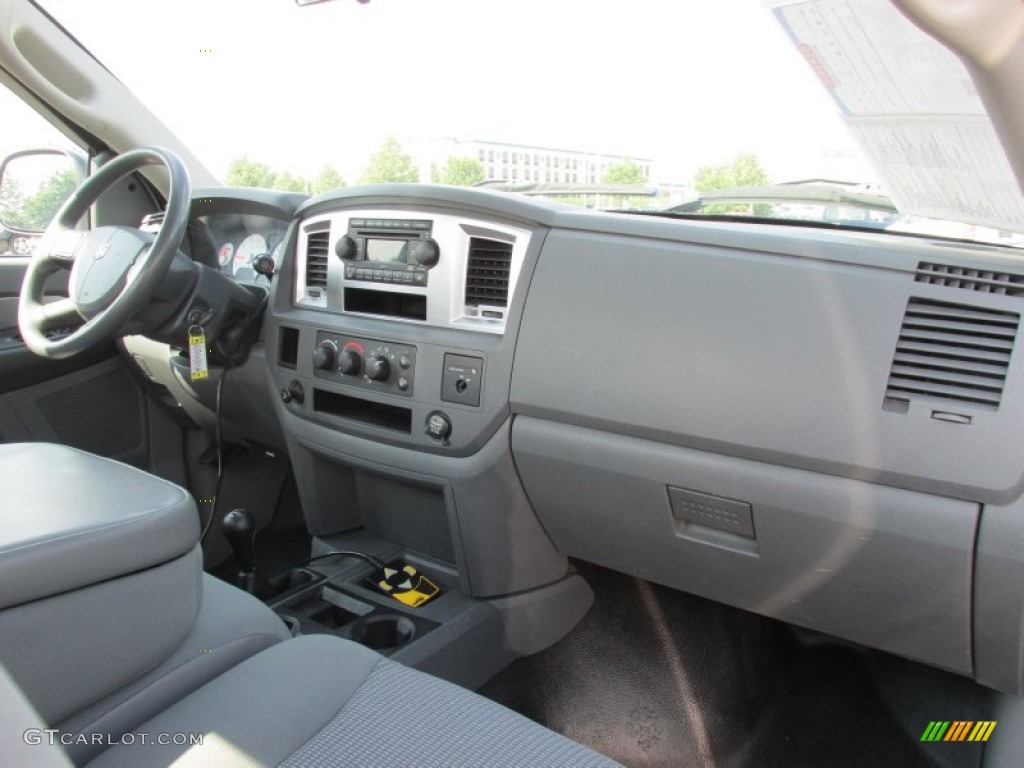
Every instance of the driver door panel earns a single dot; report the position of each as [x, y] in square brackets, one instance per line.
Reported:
[20, 368]
[89, 401]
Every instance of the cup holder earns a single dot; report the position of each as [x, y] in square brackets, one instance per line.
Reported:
[383, 633]
[291, 583]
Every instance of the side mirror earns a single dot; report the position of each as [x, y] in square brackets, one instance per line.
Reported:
[33, 186]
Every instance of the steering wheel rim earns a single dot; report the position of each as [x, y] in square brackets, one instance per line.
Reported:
[62, 247]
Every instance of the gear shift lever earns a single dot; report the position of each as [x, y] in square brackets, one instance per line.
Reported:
[239, 529]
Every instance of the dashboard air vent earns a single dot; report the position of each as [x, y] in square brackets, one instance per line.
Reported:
[316, 259]
[488, 272]
[952, 352]
[980, 280]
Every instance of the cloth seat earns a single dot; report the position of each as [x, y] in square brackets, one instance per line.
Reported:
[321, 700]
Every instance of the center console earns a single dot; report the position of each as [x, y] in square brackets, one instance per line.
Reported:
[394, 323]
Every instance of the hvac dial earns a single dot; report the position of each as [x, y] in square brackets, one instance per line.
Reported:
[379, 363]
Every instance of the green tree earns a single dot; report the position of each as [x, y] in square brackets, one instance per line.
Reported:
[327, 180]
[744, 170]
[34, 212]
[626, 172]
[12, 204]
[390, 163]
[49, 197]
[288, 183]
[243, 172]
[459, 172]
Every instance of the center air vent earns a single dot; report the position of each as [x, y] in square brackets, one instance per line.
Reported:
[488, 272]
[952, 352]
[316, 259]
[979, 280]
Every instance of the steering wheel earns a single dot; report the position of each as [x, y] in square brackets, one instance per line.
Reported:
[114, 270]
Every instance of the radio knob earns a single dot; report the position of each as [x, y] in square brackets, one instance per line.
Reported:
[350, 362]
[378, 369]
[323, 356]
[424, 252]
[345, 248]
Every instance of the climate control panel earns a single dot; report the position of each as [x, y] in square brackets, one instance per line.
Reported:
[382, 366]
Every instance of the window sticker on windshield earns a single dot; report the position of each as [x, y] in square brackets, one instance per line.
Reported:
[913, 108]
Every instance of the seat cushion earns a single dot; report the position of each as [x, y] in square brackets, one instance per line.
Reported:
[321, 700]
[232, 626]
[71, 519]
[23, 736]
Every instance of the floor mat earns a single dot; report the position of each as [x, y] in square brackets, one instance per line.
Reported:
[655, 677]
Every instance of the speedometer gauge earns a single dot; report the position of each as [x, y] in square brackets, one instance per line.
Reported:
[251, 246]
[226, 252]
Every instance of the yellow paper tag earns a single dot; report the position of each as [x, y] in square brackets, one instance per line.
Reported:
[197, 354]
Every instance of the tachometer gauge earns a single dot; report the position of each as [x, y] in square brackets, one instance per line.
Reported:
[226, 252]
[251, 246]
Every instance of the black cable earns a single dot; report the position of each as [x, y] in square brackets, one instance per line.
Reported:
[376, 562]
[231, 362]
[220, 458]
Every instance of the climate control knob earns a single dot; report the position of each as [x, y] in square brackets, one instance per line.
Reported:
[349, 362]
[424, 252]
[323, 357]
[378, 368]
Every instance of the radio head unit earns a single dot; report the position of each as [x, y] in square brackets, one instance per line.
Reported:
[388, 250]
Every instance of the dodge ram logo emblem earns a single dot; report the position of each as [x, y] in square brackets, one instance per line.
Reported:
[102, 251]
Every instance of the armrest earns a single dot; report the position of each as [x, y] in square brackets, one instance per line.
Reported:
[69, 519]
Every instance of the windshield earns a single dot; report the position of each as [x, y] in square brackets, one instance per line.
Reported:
[832, 111]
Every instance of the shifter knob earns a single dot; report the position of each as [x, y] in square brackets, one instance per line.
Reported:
[240, 530]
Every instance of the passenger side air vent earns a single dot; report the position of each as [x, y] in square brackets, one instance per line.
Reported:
[980, 280]
[952, 352]
[488, 273]
[316, 259]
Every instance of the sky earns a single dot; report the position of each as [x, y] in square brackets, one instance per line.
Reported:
[684, 82]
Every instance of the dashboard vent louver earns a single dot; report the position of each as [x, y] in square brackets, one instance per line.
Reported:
[952, 352]
[979, 280]
[316, 259]
[488, 272]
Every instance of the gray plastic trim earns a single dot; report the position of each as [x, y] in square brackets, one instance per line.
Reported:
[499, 545]
[781, 360]
[999, 598]
[885, 567]
[446, 285]
[475, 639]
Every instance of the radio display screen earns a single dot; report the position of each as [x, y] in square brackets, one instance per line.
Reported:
[385, 250]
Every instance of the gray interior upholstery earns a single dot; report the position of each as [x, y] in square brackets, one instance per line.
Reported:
[232, 626]
[262, 710]
[403, 717]
[321, 699]
[72, 519]
[20, 726]
[71, 650]
[103, 618]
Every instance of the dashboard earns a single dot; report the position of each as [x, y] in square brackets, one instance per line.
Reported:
[233, 240]
[819, 426]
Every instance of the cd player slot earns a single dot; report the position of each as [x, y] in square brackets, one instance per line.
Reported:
[375, 414]
[407, 306]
